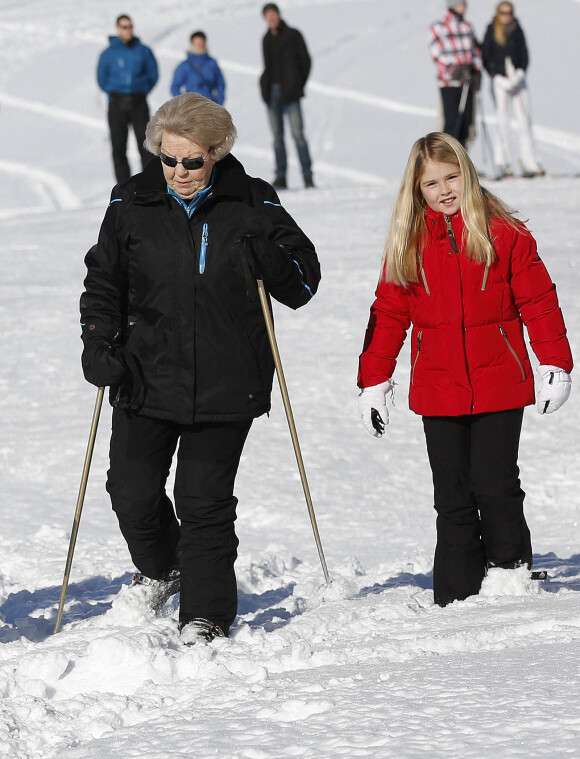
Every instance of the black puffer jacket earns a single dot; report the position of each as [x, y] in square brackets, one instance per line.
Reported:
[199, 342]
[494, 54]
[287, 62]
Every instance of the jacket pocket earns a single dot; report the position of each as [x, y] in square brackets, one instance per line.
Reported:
[203, 247]
[417, 354]
[512, 351]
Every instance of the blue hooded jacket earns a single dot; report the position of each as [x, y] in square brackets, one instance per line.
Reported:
[199, 73]
[127, 68]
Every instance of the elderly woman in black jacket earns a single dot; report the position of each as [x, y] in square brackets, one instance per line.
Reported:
[505, 58]
[169, 322]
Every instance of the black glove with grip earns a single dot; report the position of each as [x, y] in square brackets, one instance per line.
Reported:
[263, 259]
[103, 362]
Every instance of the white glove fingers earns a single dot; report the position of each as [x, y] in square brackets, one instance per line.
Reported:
[554, 389]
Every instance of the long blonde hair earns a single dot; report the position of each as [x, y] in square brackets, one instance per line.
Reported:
[407, 230]
[499, 32]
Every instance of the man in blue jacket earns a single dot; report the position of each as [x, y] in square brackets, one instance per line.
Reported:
[127, 72]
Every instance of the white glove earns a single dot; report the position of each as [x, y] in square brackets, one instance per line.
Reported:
[372, 405]
[554, 390]
[502, 82]
[516, 78]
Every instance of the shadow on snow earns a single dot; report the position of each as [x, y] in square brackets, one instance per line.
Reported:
[32, 615]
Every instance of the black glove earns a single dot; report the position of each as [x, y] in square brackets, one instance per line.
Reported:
[462, 73]
[103, 362]
[475, 80]
[263, 259]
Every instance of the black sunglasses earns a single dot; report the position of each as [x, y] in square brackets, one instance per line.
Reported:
[191, 164]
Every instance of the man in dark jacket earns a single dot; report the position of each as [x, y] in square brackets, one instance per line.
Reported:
[286, 69]
[127, 72]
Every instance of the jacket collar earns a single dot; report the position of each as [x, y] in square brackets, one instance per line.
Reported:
[230, 181]
[115, 41]
[436, 219]
[282, 26]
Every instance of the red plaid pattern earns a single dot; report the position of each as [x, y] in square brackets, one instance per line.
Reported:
[452, 43]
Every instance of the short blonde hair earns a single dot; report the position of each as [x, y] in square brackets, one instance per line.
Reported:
[196, 118]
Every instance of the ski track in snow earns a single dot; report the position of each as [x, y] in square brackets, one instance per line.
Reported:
[367, 667]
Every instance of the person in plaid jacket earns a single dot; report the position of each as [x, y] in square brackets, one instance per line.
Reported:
[457, 56]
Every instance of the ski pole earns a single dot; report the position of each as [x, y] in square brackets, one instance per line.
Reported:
[80, 501]
[291, 425]
[461, 109]
[487, 148]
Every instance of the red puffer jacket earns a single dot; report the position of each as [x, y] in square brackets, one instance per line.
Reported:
[468, 353]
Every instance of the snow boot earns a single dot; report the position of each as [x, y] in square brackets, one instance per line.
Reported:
[156, 593]
[199, 631]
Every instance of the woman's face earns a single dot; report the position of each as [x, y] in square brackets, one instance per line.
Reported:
[185, 182]
[441, 186]
[505, 13]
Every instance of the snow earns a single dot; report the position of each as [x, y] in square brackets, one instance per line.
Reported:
[367, 667]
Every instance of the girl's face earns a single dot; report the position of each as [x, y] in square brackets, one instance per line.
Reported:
[441, 186]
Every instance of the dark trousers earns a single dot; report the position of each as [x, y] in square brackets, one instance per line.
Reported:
[478, 499]
[456, 124]
[201, 539]
[125, 110]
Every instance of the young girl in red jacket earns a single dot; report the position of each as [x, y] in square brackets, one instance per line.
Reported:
[465, 274]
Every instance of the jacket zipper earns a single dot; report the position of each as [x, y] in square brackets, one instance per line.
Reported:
[451, 235]
[456, 250]
[419, 337]
[512, 351]
[203, 248]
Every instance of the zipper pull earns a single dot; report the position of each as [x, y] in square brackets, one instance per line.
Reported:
[451, 234]
[203, 248]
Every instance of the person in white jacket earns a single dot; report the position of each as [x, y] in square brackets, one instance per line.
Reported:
[505, 58]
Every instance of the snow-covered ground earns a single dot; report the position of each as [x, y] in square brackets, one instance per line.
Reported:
[365, 668]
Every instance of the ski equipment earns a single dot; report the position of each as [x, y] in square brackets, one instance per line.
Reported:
[80, 501]
[291, 424]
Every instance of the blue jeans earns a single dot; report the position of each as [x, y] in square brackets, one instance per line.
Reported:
[276, 111]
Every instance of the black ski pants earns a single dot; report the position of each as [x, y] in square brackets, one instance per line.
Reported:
[456, 124]
[478, 499]
[199, 535]
[126, 110]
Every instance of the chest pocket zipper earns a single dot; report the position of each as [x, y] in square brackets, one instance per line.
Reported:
[512, 351]
[419, 338]
[203, 247]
